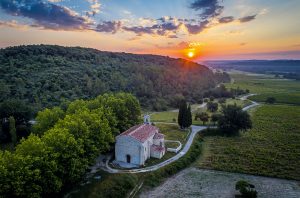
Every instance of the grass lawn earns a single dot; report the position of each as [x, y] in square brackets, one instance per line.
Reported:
[165, 116]
[153, 161]
[270, 148]
[172, 132]
[171, 144]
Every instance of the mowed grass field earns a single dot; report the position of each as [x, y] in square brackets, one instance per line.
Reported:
[283, 90]
[270, 148]
[172, 132]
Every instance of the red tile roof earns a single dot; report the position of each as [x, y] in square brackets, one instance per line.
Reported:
[158, 136]
[141, 132]
[157, 148]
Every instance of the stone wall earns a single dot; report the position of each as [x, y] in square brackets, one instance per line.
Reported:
[129, 146]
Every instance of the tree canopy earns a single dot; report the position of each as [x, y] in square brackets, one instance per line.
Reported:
[233, 119]
[64, 144]
[59, 74]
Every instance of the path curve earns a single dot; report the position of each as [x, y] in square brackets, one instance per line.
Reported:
[253, 103]
[195, 130]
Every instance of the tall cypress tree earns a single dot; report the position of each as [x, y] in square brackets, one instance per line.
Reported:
[189, 116]
[181, 114]
[12, 130]
[184, 116]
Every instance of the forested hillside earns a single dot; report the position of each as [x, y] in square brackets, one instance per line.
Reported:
[45, 76]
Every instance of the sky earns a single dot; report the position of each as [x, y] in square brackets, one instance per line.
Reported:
[192, 29]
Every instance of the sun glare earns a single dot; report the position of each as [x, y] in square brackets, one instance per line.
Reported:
[191, 54]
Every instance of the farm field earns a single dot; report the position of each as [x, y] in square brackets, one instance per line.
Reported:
[270, 148]
[283, 90]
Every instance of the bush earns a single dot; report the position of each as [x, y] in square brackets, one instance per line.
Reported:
[212, 106]
[222, 100]
[270, 100]
[247, 190]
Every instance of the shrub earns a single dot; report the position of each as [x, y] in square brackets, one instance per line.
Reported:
[212, 106]
[270, 100]
[247, 190]
[222, 100]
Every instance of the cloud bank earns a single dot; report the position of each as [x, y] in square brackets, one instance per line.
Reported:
[46, 14]
[50, 15]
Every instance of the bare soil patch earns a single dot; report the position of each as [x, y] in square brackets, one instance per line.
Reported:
[193, 182]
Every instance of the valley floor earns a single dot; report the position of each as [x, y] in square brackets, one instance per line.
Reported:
[193, 182]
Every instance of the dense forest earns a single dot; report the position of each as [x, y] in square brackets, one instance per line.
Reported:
[48, 75]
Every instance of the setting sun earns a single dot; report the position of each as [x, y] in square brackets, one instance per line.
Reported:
[191, 54]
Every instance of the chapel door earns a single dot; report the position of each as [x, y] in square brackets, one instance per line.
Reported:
[128, 158]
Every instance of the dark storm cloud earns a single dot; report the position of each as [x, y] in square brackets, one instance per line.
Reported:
[207, 8]
[109, 26]
[197, 28]
[164, 27]
[247, 18]
[45, 14]
[139, 30]
[227, 19]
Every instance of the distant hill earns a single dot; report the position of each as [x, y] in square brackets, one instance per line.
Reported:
[47, 75]
[288, 68]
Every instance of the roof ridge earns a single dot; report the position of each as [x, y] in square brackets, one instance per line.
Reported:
[131, 132]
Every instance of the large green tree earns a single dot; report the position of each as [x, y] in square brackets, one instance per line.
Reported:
[49, 181]
[233, 119]
[203, 116]
[68, 153]
[46, 119]
[43, 164]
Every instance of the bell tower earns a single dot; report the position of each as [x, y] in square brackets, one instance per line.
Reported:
[147, 119]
